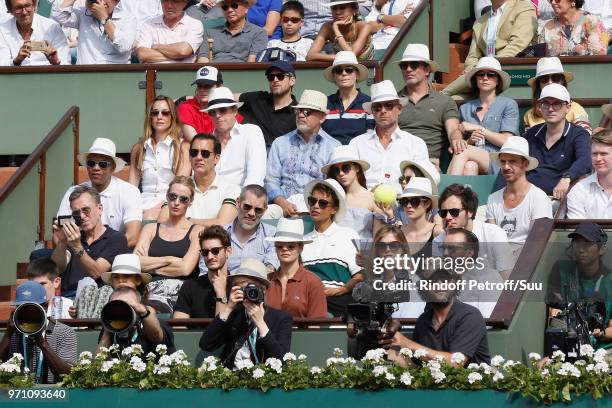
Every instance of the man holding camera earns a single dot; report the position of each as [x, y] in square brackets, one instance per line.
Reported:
[247, 329]
[49, 348]
[107, 31]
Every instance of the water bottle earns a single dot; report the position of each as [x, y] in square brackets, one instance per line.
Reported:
[57, 307]
[481, 142]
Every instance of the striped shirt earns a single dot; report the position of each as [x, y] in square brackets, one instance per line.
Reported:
[343, 124]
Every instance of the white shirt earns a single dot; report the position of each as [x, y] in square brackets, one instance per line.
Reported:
[156, 172]
[206, 204]
[120, 202]
[588, 199]
[143, 9]
[517, 221]
[44, 29]
[383, 37]
[3, 14]
[94, 45]
[243, 160]
[490, 36]
[403, 146]
[188, 29]
[65, 305]
[299, 47]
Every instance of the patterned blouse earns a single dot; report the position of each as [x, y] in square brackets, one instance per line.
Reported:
[587, 37]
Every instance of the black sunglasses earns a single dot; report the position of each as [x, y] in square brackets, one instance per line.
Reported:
[103, 164]
[454, 212]
[335, 170]
[281, 245]
[414, 65]
[215, 251]
[377, 107]
[556, 78]
[341, 70]
[220, 111]
[279, 76]
[294, 20]
[413, 201]
[173, 197]
[488, 74]
[164, 112]
[305, 112]
[394, 246]
[312, 201]
[226, 7]
[197, 152]
[248, 207]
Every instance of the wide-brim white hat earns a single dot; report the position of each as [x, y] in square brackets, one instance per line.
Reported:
[549, 66]
[344, 154]
[607, 110]
[516, 145]
[221, 97]
[427, 168]
[346, 58]
[311, 99]
[381, 92]
[420, 53]
[126, 264]
[338, 190]
[420, 187]
[289, 230]
[335, 3]
[105, 147]
[488, 64]
[252, 268]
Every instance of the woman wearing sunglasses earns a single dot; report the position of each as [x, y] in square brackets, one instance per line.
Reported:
[486, 121]
[345, 33]
[157, 157]
[550, 71]
[169, 251]
[346, 117]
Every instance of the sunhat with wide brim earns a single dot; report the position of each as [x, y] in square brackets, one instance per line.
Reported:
[516, 145]
[252, 268]
[289, 230]
[104, 147]
[427, 168]
[418, 53]
[420, 187]
[338, 190]
[126, 264]
[550, 66]
[221, 97]
[344, 154]
[336, 3]
[381, 92]
[488, 64]
[343, 59]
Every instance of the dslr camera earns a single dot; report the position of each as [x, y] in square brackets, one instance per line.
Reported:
[74, 218]
[30, 319]
[119, 318]
[253, 293]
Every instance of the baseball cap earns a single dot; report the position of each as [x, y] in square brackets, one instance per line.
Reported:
[208, 76]
[30, 292]
[555, 91]
[283, 66]
[591, 232]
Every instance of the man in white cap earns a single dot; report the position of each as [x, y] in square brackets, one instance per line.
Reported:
[516, 206]
[120, 199]
[430, 115]
[243, 148]
[297, 157]
[387, 145]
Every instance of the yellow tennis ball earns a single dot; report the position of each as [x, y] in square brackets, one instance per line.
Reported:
[385, 193]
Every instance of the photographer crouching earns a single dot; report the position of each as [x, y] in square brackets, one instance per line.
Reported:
[48, 347]
[247, 329]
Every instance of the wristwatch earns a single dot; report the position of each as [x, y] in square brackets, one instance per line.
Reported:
[379, 18]
[222, 299]
[566, 175]
[103, 22]
[80, 253]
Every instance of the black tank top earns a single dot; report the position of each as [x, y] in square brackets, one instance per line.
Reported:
[160, 247]
[426, 250]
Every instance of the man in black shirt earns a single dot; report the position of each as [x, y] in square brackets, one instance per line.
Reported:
[272, 111]
[206, 295]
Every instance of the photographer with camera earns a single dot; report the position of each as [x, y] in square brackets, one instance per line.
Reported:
[247, 328]
[49, 348]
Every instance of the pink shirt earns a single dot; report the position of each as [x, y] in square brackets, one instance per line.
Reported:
[155, 31]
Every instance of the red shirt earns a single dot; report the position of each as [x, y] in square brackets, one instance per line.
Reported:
[304, 295]
[189, 114]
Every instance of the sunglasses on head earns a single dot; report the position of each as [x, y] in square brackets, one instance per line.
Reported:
[377, 107]
[345, 168]
[414, 65]
[341, 70]
[248, 207]
[312, 201]
[103, 164]
[226, 7]
[556, 78]
[218, 111]
[172, 197]
[294, 20]
[215, 251]
[394, 246]
[283, 245]
[164, 112]
[302, 111]
[279, 76]
[197, 152]
[413, 201]
[487, 74]
[454, 212]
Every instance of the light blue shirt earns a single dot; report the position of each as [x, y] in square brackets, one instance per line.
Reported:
[502, 116]
[292, 162]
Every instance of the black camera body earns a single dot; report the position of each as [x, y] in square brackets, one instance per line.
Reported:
[74, 218]
[119, 318]
[253, 293]
[30, 319]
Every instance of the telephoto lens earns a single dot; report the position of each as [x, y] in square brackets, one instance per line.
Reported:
[30, 319]
[118, 317]
[253, 294]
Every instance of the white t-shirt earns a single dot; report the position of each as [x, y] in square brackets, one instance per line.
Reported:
[299, 47]
[517, 221]
[206, 204]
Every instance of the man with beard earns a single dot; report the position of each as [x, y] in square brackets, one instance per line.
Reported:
[272, 111]
[446, 326]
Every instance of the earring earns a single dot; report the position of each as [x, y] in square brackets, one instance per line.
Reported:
[573, 4]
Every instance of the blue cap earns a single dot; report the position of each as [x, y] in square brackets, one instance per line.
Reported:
[30, 292]
[283, 66]
[591, 232]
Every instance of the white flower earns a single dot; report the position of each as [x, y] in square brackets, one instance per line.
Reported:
[590, 367]
[473, 377]
[161, 370]
[258, 373]
[419, 353]
[107, 365]
[178, 357]
[302, 357]
[350, 360]
[85, 355]
[580, 363]
[535, 356]
[338, 352]
[389, 377]
[405, 352]
[438, 376]
[275, 364]
[289, 357]
[498, 376]
[569, 369]
[9, 367]
[137, 364]
[379, 370]
[586, 350]
[497, 361]
[486, 368]
[126, 351]
[210, 360]
[558, 355]
[161, 349]
[601, 368]
[545, 372]
[473, 366]
[374, 356]
[165, 360]
[84, 362]
[599, 356]
[114, 348]
[332, 361]
[510, 363]
[315, 370]
[457, 358]
[151, 356]
[434, 365]
[16, 357]
[244, 364]
[406, 378]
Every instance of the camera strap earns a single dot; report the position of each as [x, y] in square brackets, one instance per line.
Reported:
[252, 339]
[38, 362]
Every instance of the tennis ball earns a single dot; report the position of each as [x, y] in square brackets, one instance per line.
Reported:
[385, 193]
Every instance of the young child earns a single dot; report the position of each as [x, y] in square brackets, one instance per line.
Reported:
[292, 19]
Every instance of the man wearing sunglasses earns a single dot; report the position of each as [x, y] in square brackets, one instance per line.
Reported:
[237, 40]
[272, 111]
[297, 157]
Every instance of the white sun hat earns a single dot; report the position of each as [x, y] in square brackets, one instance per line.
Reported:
[312, 100]
[556, 91]
[338, 190]
[427, 168]
[381, 92]
[105, 147]
[252, 268]
[221, 97]
[289, 230]
[336, 3]
[516, 145]
[420, 187]
[344, 154]
[549, 66]
[346, 58]
[126, 264]
[488, 64]
[418, 52]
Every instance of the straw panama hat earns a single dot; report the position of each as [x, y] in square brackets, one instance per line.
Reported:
[556, 91]
[516, 145]
[381, 92]
[105, 147]
[289, 230]
[312, 100]
[418, 52]
[252, 268]
[427, 168]
[126, 264]
[344, 154]
[346, 58]
[420, 187]
[549, 66]
[221, 97]
[337, 188]
[488, 64]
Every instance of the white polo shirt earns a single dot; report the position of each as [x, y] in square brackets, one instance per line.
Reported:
[588, 199]
[206, 204]
[120, 202]
[188, 29]
[403, 146]
[243, 159]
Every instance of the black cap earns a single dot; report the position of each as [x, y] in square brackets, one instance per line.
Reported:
[281, 65]
[591, 232]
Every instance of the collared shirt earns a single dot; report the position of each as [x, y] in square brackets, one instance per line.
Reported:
[331, 255]
[121, 203]
[502, 116]
[426, 119]
[258, 109]
[190, 114]
[234, 48]
[588, 36]
[94, 45]
[577, 115]
[383, 162]
[293, 162]
[43, 29]
[304, 295]
[243, 160]
[490, 34]
[143, 10]
[156, 171]
[343, 124]
[206, 204]
[588, 200]
[155, 31]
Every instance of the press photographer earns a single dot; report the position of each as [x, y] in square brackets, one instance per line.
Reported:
[247, 328]
[49, 348]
